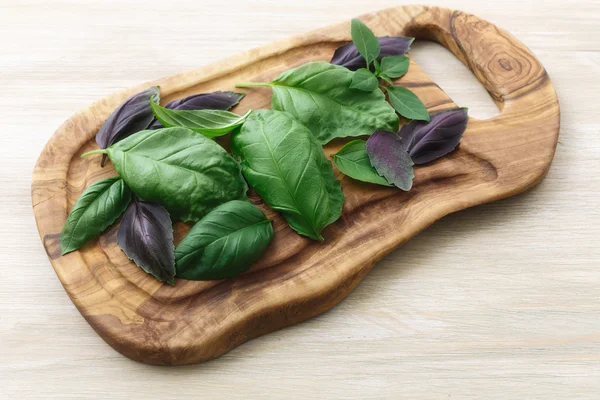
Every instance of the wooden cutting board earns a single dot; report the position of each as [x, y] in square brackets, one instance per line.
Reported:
[299, 278]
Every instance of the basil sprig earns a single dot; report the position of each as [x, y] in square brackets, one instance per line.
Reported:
[349, 57]
[385, 67]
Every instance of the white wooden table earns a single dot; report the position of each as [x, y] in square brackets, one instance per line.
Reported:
[497, 302]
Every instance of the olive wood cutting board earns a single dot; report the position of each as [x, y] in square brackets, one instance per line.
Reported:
[298, 278]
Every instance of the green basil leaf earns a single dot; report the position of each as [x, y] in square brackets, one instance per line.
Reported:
[365, 41]
[187, 173]
[353, 160]
[203, 101]
[94, 211]
[286, 166]
[387, 79]
[225, 243]
[395, 66]
[210, 123]
[364, 80]
[376, 67]
[317, 94]
[407, 104]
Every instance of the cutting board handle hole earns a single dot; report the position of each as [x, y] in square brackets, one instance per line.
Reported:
[454, 78]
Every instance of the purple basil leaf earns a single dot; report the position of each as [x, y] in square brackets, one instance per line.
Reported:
[428, 141]
[146, 237]
[390, 159]
[205, 101]
[349, 57]
[132, 116]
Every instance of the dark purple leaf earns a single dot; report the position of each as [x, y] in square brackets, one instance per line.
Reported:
[349, 57]
[428, 141]
[132, 116]
[146, 237]
[205, 101]
[390, 159]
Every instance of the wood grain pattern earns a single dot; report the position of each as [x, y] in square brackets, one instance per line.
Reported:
[297, 278]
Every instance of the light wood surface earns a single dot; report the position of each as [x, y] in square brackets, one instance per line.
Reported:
[298, 278]
[499, 301]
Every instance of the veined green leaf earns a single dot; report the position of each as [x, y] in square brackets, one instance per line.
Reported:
[225, 243]
[210, 123]
[387, 79]
[317, 94]
[203, 101]
[353, 160]
[94, 211]
[286, 166]
[376, 67]
[394, 66]
[365, 41]
[407, 104]
[364, 80]
[187, 173]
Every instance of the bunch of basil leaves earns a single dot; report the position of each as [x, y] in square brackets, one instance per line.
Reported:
[176, 172]
[347, 98]
[170, 168]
